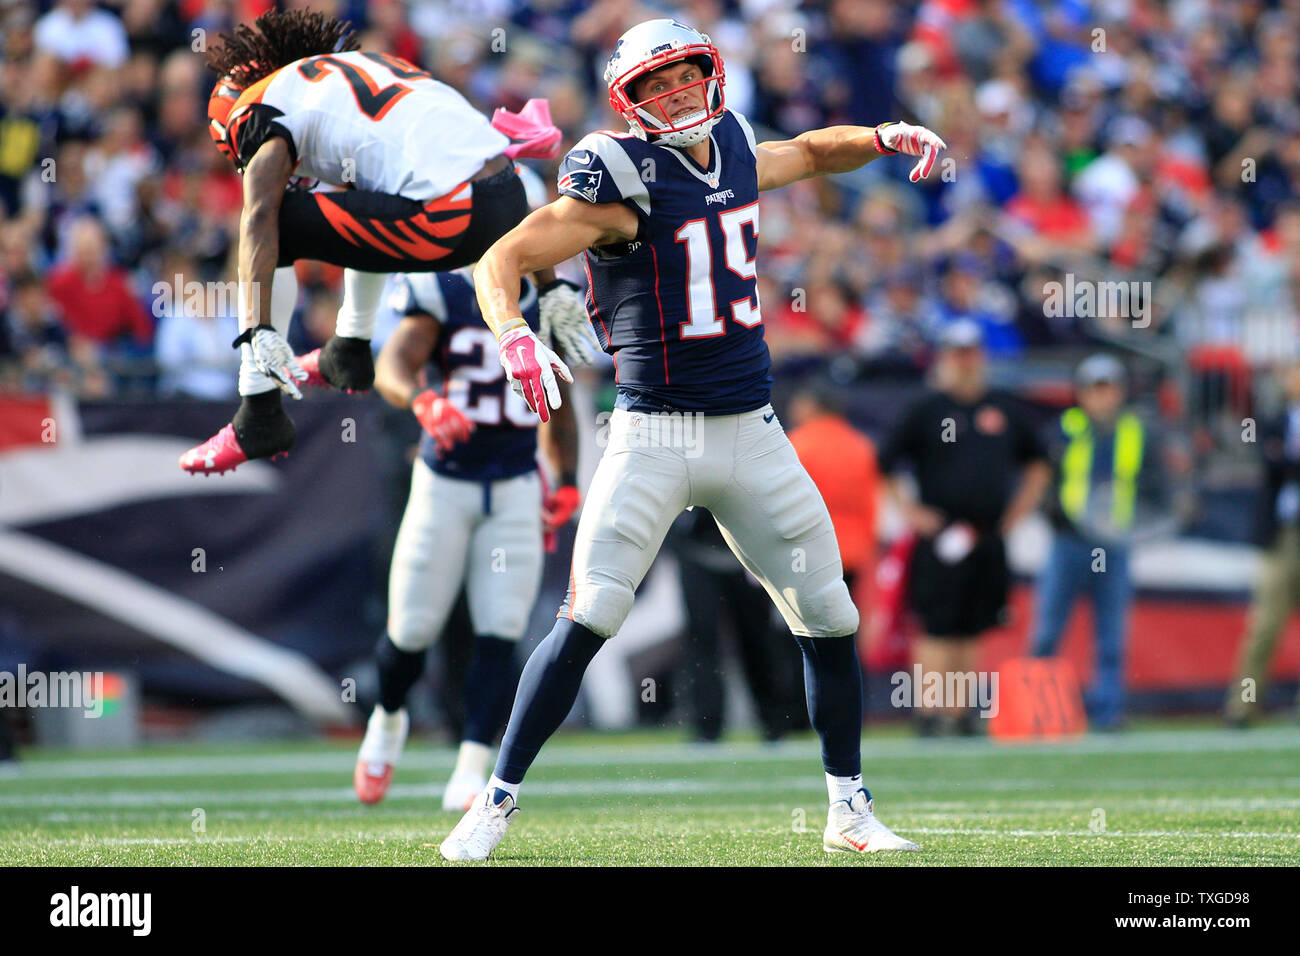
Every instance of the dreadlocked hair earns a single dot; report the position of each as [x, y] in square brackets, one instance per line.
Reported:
[276, 39]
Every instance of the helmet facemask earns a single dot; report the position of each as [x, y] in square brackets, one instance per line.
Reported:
[680, 132]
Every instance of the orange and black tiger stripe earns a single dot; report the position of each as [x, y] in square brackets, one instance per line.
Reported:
[427, 236]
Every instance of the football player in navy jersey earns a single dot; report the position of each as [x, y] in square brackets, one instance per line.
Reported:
[667, 218]
[476, 515]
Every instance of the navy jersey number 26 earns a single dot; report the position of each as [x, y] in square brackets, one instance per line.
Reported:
[504, 441]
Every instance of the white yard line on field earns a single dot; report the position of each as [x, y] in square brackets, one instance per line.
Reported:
[912, 809]
[610, 754]
[1085, 834]
[216, 799]
[433, 834]
[90, 841]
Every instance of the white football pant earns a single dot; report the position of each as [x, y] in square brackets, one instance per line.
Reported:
[447, 539]
[745, 471]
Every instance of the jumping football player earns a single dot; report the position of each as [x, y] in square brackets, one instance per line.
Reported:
[477, 514]
[667, 218]
[426, 185]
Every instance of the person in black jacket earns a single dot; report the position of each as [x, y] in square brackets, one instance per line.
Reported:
[980, 466]
[1277, 531]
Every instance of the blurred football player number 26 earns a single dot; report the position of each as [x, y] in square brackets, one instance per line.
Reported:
[1039, 698]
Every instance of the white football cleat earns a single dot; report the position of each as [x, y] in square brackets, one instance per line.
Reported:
[852, 827]
[480, 830]
[462, 788]
[380, 751]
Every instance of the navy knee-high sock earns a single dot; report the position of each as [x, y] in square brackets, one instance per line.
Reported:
[489, 687]
[398, 672]
[548, 687]
[833, 684]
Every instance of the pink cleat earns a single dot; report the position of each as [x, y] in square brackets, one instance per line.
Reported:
[342, 363]
[217, 455]
[371, 781]
[380, 750]
[310, 364]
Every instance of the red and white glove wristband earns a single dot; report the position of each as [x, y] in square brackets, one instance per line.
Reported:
[893, 137]
[880, 145]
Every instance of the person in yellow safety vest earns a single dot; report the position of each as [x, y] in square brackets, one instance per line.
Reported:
[1103, 462]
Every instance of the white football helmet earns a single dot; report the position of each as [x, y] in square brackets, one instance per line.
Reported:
[653, 44]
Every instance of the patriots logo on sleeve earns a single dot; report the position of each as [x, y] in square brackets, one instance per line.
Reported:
[585, 182]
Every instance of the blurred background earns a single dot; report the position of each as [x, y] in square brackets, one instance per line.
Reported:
[1130, 141]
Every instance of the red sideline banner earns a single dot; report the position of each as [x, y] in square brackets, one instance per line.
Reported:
[1173, 644]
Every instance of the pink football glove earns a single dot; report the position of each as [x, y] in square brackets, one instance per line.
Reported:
[531, 368]
[441, 419]
[911, 141]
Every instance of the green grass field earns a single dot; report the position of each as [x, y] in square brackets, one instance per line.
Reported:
[1169, 794]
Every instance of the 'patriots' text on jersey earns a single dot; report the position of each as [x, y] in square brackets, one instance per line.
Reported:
[678, 306]
[504, 441]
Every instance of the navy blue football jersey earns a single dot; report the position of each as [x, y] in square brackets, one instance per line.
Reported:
[678, 306]
[504, 441]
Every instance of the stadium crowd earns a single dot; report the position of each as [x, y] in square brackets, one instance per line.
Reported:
[1132, 141]
[1123, 139]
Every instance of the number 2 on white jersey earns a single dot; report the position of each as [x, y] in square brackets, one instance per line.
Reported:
[701, 300]
[373, 100]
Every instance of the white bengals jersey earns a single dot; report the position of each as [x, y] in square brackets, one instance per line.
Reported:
[368, 120]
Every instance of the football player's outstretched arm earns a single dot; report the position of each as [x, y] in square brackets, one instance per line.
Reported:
[842, 149]
[265, 179]
[548, 236]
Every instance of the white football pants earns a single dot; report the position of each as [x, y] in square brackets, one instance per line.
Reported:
[745, 471]
[447, 539]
